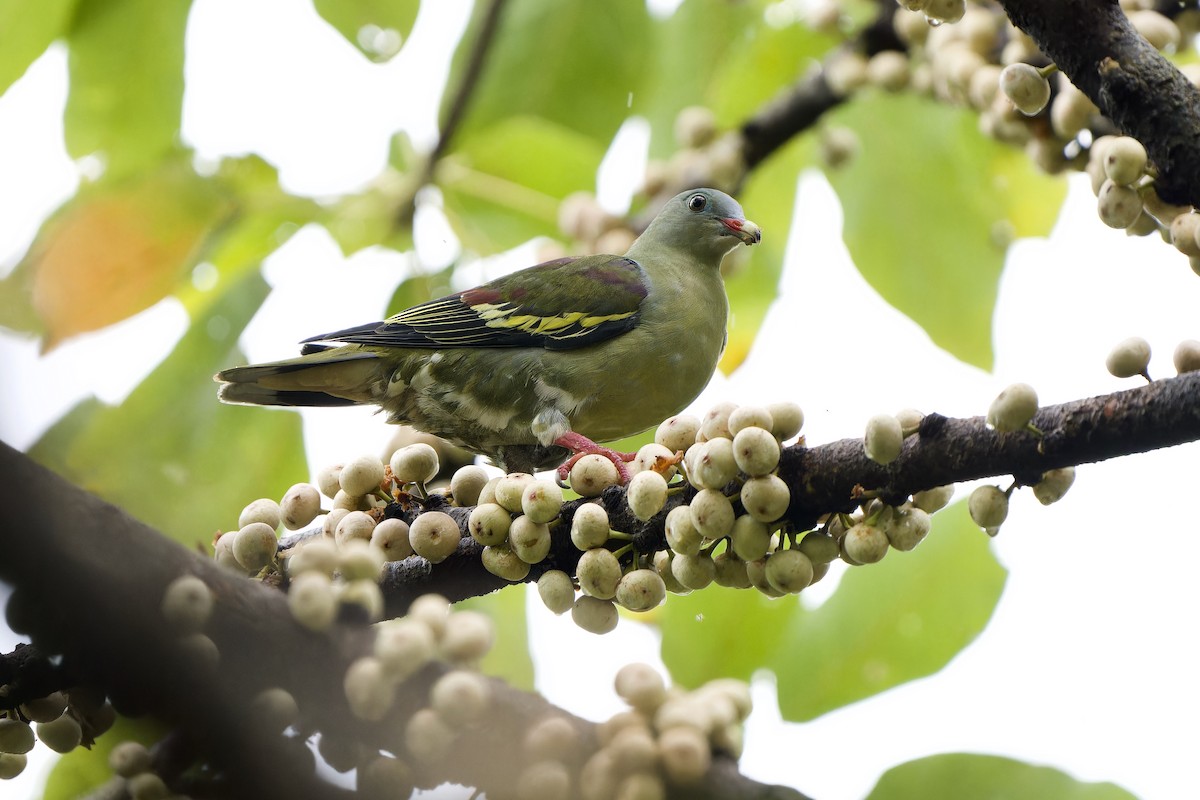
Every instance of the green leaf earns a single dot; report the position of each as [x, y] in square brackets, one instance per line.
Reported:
[83, 770]
[171, 454]
[26, 30]
[509, 657]
[126, 81]
[378, 28]
[573, 62]
[753, 282]
[986, 778]
[502, 186]
[886, 624]
[929, 206]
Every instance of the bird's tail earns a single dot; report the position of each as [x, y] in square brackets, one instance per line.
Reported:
[335, 377]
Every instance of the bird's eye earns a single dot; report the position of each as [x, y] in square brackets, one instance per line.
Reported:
[697, 202]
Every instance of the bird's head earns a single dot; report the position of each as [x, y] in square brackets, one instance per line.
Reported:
[707, 222]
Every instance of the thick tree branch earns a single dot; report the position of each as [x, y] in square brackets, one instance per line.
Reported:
[1133, 84]
[88, 586]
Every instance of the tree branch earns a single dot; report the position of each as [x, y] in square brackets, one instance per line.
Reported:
[88, 586]
[1135, 86]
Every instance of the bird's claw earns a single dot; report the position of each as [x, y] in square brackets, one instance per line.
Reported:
[582, 446]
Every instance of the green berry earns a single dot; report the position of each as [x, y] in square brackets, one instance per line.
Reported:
[1119, 206]
[12, 765]
[678, 432]
[1187, 356]
[329, 480]
[556, 590]
[1013, 408]
[553, 738]
[541, 501]
[821, 548]
[469, 636]
[331, 521]
[264, 510]
[641, 590]
[15, 736]
[789, 571]
[646, 494]
[651, 456]
[884, 439]
[1124, 160]
[907, 527]
[129, 758]
[460, 697]
[888, 70]
[385, 777]
[865, 544]
[545, 780]
[355, 525]
[934, 499]
[694, 572]
[589, 526]
[434, 535]
[369, 690]
[695, 126]
[1026, 87]
[1184, 229]
[529, 540]
[488, 493]
[427, 737]
[712, 513]
[945, 10]
[404, 645]
[594, 615]
[787, 419]
[361, 476]
[147, 786]
[466, 484]
[729, 570]
[592, 474]
[300, 506]
[662, 565]
[312, 600]
[684, 754]
[274, 709]
[744, 417]
[316, 554]
[756, 451]
[187, 604]
[45, 709]
[433, 610]
[751, 539]
[715, 423]
[489, 524]
[598, 572]
[765, 498]
[359, 560]
[415, 463]
[641, 686]
[390, 536]
[1130, 357]
[511, 488]
[681, 533]
[501, 561]
[711, 464]
[1053, 485]
[988, 506]
[254, 546]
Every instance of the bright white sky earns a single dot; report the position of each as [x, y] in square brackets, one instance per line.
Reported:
[1089, 663]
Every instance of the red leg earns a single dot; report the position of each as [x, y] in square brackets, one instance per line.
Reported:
[581, 446]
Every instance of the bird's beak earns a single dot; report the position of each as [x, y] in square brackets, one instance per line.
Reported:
[744, 229]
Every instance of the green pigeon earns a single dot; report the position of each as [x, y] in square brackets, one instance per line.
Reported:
[543, 363]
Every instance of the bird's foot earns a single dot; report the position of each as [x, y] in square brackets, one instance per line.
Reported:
[581, 446]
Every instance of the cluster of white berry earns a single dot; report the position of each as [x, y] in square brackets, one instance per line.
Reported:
[61, 721]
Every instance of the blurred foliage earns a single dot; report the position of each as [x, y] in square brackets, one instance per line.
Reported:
[880, 628]
[929, 206]
[979, 776]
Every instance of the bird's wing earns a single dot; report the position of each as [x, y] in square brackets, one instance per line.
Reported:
[558, 305]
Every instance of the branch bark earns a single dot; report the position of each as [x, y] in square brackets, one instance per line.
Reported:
[88, 582]
[1135, 86]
